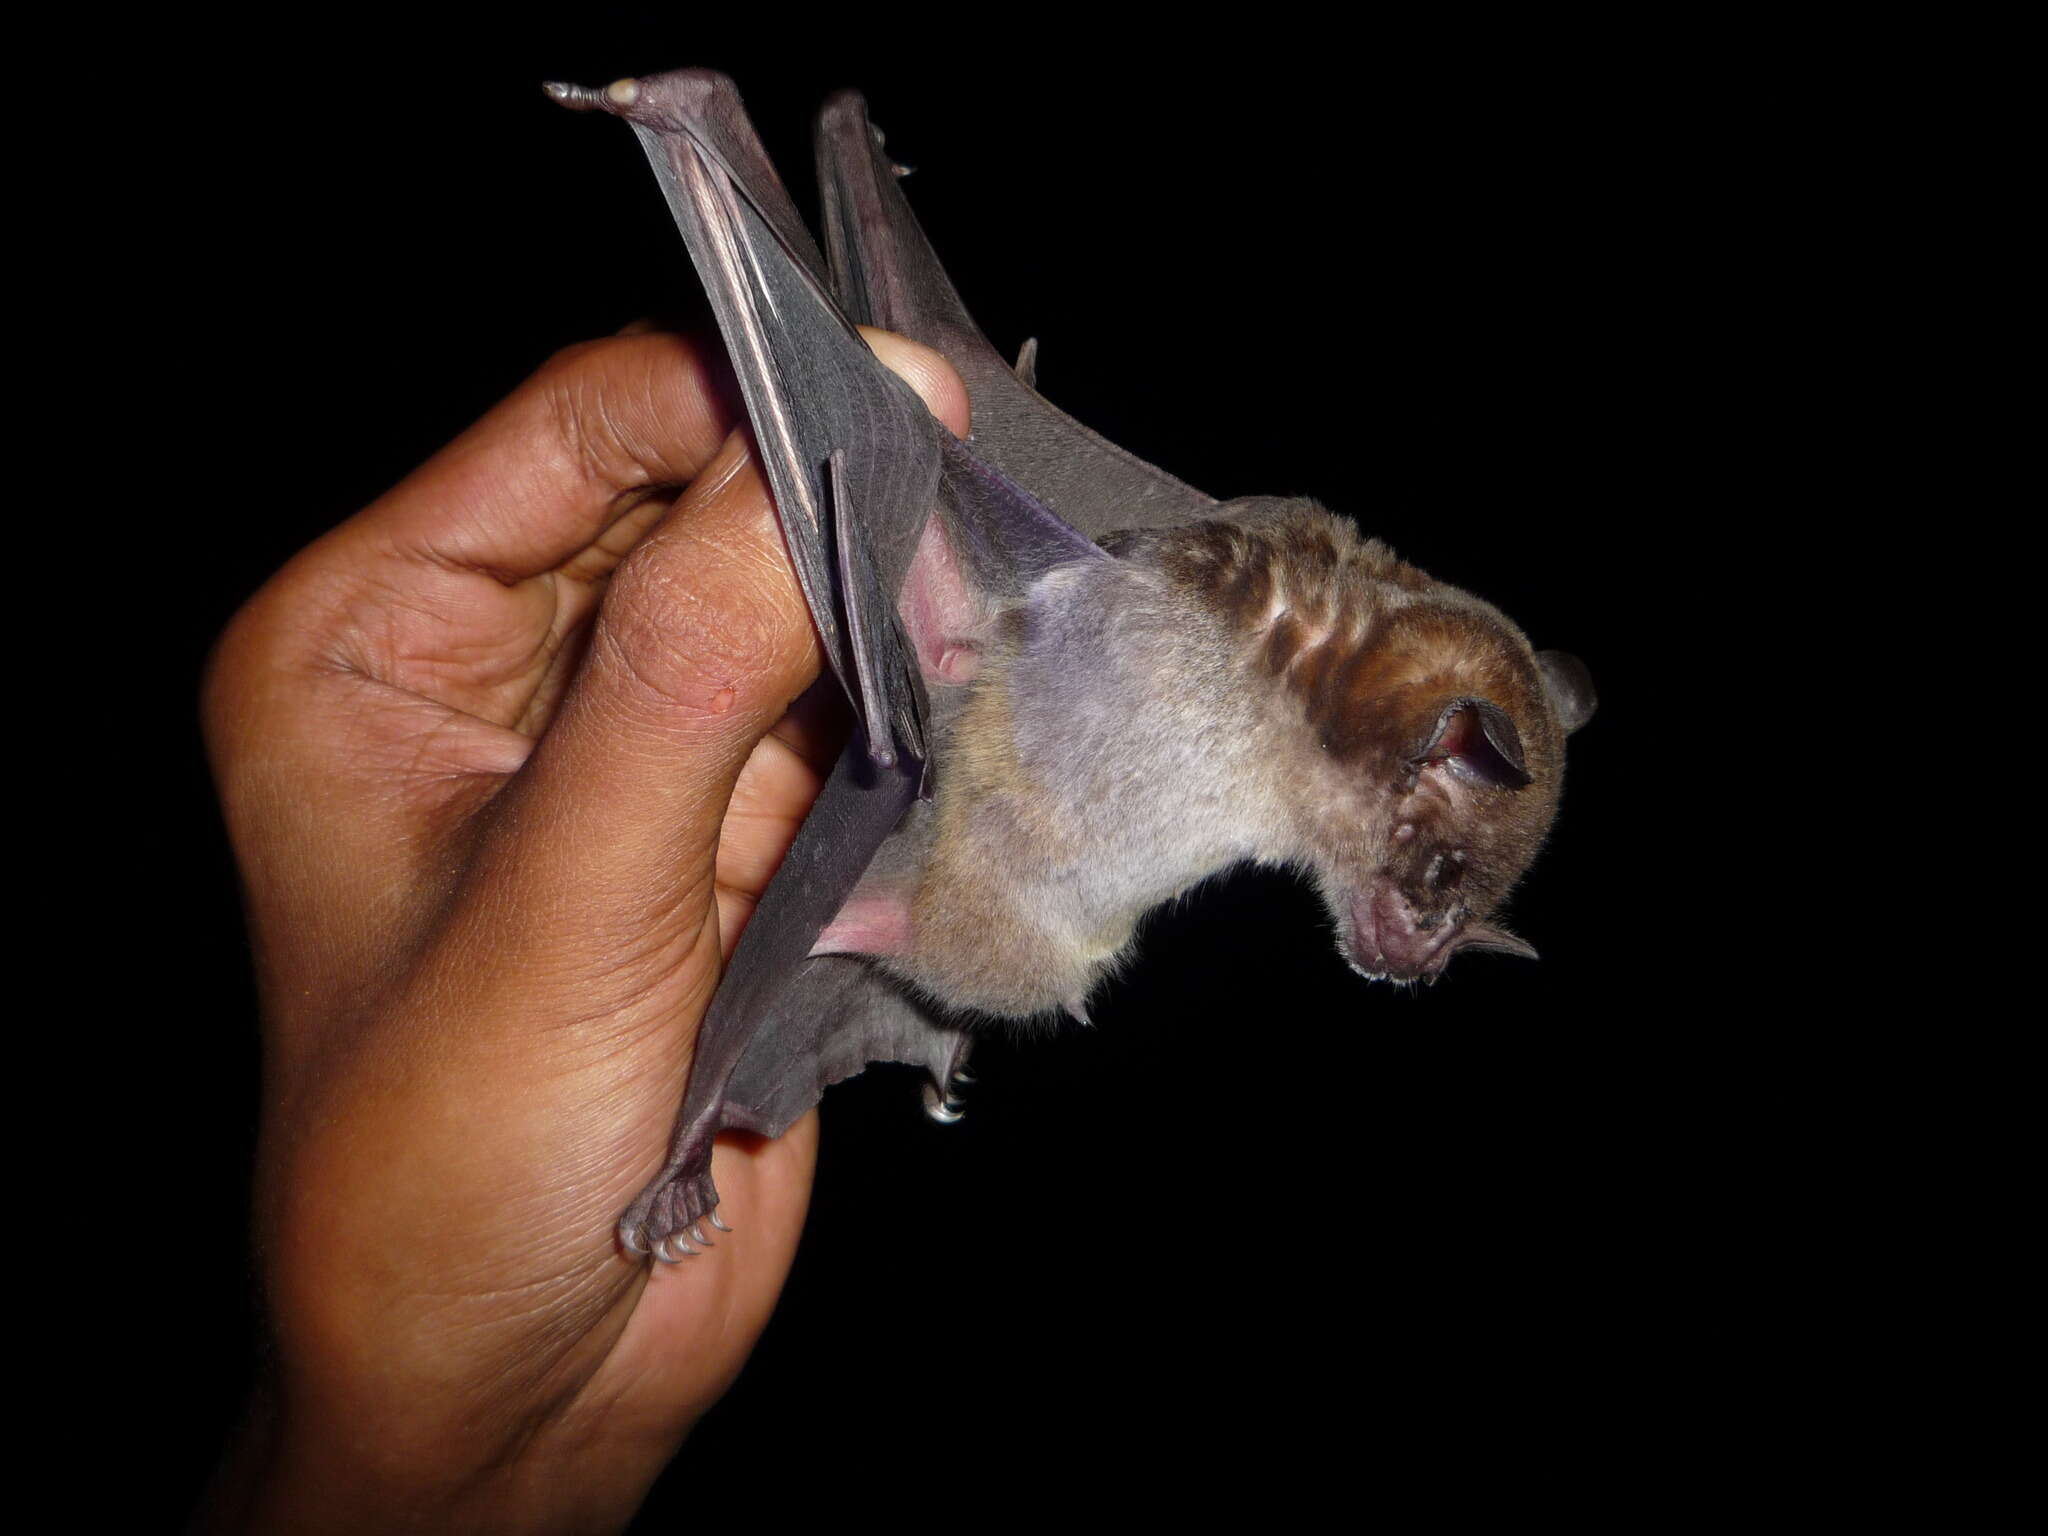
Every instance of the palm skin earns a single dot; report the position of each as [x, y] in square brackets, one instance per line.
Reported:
[505, 761]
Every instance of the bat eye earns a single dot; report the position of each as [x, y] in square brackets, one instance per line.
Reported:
[1444, 871]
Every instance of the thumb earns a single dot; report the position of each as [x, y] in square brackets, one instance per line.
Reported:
[599, 855]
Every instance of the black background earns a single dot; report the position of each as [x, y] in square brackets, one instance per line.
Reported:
[1266, 1230]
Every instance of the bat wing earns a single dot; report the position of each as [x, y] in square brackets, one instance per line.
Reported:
[837, 1017]
[857, 465]
[849, 450]
[886, 274]
[778, 1031]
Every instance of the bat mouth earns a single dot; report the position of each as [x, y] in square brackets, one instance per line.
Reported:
[1391, 941]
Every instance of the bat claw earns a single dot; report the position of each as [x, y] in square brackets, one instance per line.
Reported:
[668, 1212]
[941, 1108]
[590, 98]
[577, 98]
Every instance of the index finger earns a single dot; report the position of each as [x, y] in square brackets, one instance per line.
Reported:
[545, 472]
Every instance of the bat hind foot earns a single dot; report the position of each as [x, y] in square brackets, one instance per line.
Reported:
[669, 1218]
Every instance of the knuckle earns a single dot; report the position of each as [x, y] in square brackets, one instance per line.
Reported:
[590, 395]
[703, 648]
[252, 644]
[572, 399]
[298, 630]
[576, 358]
[625, 411]
[220, 686]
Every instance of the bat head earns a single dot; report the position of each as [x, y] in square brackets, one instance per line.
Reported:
[1456, 807]
[1421, 738]
[1446, 741]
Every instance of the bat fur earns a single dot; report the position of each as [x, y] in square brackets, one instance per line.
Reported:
[1272, 689]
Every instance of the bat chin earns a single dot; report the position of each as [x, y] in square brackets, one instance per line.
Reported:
[1389, 941]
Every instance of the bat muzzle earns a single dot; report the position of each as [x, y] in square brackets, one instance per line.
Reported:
[1389, 939]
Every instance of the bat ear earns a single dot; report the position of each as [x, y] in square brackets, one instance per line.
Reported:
[1570, 687]
[1478, 740]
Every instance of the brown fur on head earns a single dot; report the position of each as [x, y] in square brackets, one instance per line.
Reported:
[1433, 736]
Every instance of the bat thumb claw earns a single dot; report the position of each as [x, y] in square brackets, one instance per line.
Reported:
[589, 98]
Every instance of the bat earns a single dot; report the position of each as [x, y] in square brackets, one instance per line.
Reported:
[1080, 687]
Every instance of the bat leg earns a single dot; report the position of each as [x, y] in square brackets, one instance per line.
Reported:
[836, 1017]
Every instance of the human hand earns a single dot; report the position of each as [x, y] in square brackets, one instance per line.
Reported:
[505, 764]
